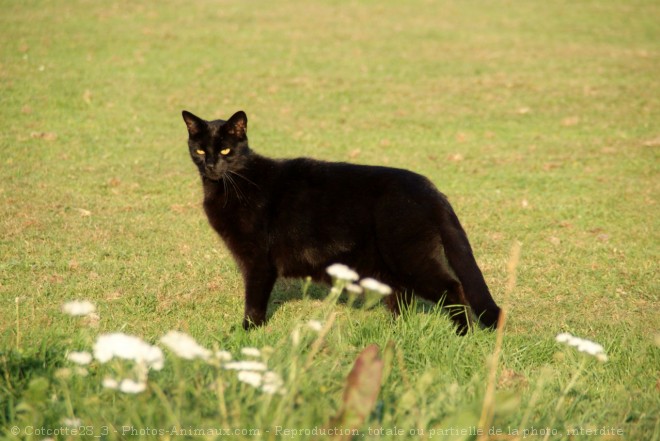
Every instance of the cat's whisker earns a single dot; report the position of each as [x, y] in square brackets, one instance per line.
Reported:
[224, 184]
[237, 190]
[243, 177]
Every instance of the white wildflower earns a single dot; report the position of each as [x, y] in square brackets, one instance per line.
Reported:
[590, 347]
[128, 347]
[583, 345]
[184, 346]
[315, 325]
[342, 272]
[131, 386]
[272, 383]
[355, 289]
[250, 377]
[251, 352]
[245, 366]
[72, 422]
[223, 355]
[110, 383]
[78, 308]
[563, 337]
[374, 285]
[81, 358]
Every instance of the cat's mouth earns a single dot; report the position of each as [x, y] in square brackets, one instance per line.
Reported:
[212, 174]
[213, 177]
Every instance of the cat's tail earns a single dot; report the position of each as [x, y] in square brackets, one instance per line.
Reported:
[462, 261]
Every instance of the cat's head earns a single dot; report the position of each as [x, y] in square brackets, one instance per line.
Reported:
[218, 147]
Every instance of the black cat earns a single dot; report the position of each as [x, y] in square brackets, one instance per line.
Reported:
[295, 217]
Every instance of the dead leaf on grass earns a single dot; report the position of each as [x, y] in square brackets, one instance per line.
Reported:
[565, 224]
[83, 212]
[48, 136]
[603, 237]
[555, 240]
[511, 379]
[114, 295]
[550, 166]
[655, 142]
[361, 391]
[570, 121]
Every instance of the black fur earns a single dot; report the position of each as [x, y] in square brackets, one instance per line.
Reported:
[294, 218]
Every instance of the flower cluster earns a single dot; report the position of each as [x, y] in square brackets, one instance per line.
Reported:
[128, 347]
[343, 273]
[184, 346]
[583, 345]
[374, 285]
[145, 357]
[78, 308]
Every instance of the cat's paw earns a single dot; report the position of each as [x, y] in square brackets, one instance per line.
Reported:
[251, 322]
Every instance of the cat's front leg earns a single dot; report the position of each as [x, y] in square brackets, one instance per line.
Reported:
[259, 282]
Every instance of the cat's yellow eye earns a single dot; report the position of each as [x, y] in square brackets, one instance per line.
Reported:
[225, 151]
[200, 152]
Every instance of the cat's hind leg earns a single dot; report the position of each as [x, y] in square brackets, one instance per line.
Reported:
[397, 301]
[425, 272]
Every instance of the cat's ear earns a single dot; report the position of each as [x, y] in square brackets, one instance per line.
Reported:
[237, 124]
[195, 124]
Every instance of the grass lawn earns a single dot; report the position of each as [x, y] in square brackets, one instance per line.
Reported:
[540, 121]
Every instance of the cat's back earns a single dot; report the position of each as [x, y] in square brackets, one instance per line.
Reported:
[354, 177]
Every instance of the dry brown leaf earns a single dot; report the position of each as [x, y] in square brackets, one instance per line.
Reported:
[570, 121]
[511, 379]
[361, 391]
[655, 142]
[48, 136]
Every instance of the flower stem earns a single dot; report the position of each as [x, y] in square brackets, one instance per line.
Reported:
[564, 394]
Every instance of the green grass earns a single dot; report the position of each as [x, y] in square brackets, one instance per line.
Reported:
[540, 122]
